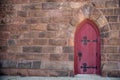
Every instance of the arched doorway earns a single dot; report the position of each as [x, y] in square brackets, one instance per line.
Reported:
[87, 48]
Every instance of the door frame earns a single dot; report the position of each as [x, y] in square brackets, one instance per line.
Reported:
[78, 29]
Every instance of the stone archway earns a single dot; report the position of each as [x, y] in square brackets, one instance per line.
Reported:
[88, 11]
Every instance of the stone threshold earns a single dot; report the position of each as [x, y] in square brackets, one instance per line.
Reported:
[77, 77]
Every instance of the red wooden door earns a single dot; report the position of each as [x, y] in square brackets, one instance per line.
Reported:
[87, 49]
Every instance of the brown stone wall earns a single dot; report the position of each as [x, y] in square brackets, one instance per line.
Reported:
[37, 36]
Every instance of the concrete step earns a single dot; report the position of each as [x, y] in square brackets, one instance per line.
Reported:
[77, 77]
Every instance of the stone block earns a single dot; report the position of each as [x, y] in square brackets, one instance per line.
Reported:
[36, 64]
[113, 57]
[110, 66]
[37, 1]
[114, 41]
[110, 49]
[47, 34]
[68, 49]
[3, 48]
[32, 49]
[64, 65]
[117, 11]
[14, 49]
[111, 3]
[24, 42]
[113, 73]
[24, 65]
[31, 56]
[48, 49]
[114, 34]
[107, 11]
[31, 34]
[52, 27]
[58, 57]
[37, 13]
[38, 72]
[8, 64]
[105, 35]
[62, 73]
[11, 42]
[98, 4]
[114, 26]
[71, 57]
[36, 6]
[40, 42]
[22, 13]
[39, 27]
[4, 35]
[3, 42]
[104, 28]
[57, 42]
[112, 18]
[50, 5]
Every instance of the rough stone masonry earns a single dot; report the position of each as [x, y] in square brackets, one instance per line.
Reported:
[37, 36]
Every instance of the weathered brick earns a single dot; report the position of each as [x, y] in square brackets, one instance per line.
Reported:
[58, 42]
[71, 57]
[24, 65]
[31, 35]
[117, 11]
[11, 42]
[105, 35]
[3, 48]
[114, 26]
[104, 28]
[14, 20]
[8, 56]
[62, 73]
[52, 27]
[114, 41]
[35, 6]
[32, 49]
[37, 13]
[113, 73]
[3, 42]
[36, 64]
[48, 49]
[103, 57]
[112, 18]
[68, 49]
[98, 4]
[111, 3]
[15, 36]
[110, 66]
[22, 13]
[32, 20]
[24, 42]
[47, 34]
[59, 57]
[39, 27]
[64, 65]
[107, 11]
[8, 64]
[29, 56]
[37, 1]
[4, 35]
[50, 5]
[110, 49]
[114, 34]
[113, 57]
[14, 49]
[40, 41]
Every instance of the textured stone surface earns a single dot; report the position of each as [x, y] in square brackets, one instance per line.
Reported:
[37, 36]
